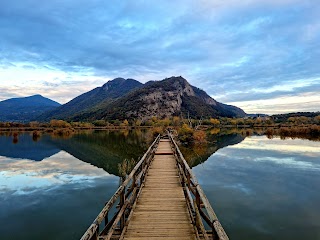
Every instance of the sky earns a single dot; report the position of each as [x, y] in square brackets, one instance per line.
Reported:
[260, 55]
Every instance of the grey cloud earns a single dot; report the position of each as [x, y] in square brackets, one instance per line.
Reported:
[203, 42]
[253, 95]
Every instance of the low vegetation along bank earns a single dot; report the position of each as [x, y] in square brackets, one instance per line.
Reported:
[187, 130]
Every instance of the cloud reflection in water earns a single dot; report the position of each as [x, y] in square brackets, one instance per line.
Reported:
[262, 188]
[25, 176]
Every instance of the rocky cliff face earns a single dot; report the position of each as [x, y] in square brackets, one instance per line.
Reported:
[128, 99]
[170, 97]
[161, 102]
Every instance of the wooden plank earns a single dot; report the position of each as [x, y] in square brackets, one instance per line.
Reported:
[92, 230]
[211, 214]
[161, 238]
[161, 210]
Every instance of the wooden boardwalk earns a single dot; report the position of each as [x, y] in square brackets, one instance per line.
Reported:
[159, 199]
[161, 210]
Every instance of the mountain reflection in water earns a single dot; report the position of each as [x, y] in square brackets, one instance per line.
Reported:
[198, 153]
[260, 188]
[103, 149]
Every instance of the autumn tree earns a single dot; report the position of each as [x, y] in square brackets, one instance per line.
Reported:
[138, 122]
[176, 121]
[185, 133]
[214, 121]
[125, 123]
[199, 136]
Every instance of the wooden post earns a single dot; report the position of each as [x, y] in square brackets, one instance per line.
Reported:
[196, 215]
[134, 181]
[188, 179]
[95, 235]
[106, 219]
[123, 217]
[198, 202]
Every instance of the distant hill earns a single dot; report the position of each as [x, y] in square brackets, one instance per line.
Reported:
[25, 109]
[88, 101]
[285, 116]
[170, 97]
[254, 115]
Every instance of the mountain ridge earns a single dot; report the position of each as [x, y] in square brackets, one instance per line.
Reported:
[169, 97]
[108, 91]
[130, 99]
[25, 109]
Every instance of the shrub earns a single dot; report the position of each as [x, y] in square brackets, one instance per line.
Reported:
[214, 121]
[199, 136]
[157, 130]
[185, 133]
[59, 123]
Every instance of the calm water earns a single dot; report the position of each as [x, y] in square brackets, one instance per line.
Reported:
[265, 189]
[53, 188]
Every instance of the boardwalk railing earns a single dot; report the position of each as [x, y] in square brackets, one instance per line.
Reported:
[125, 200]
[125, 196]
[198, 204]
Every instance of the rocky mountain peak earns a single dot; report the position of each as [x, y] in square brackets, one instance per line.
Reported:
[129, 99]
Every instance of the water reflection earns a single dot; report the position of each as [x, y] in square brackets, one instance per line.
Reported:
[106, 149]
[260, 188]
[26, 148]
[25, 176]
[103, 149]
[53, 188]
[265, 189]
[199, 153]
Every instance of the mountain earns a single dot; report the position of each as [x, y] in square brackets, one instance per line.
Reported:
[26, 108]
[170, 97]
[89, 100]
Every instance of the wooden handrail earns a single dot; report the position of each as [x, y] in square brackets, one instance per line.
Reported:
[127, 194]
[197, 191]
[92, 231]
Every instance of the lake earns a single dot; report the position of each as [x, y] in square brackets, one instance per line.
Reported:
[260, 188]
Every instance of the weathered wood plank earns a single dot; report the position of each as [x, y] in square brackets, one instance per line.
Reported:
[161, 210]
[161, 238]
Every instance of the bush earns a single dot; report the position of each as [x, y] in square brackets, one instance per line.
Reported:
[214, 121]
[200, 136]
[59, 124]
[185, 134]
[157, 130]
[100, 123]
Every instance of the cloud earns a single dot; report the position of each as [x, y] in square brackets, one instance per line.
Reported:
[223, 47]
